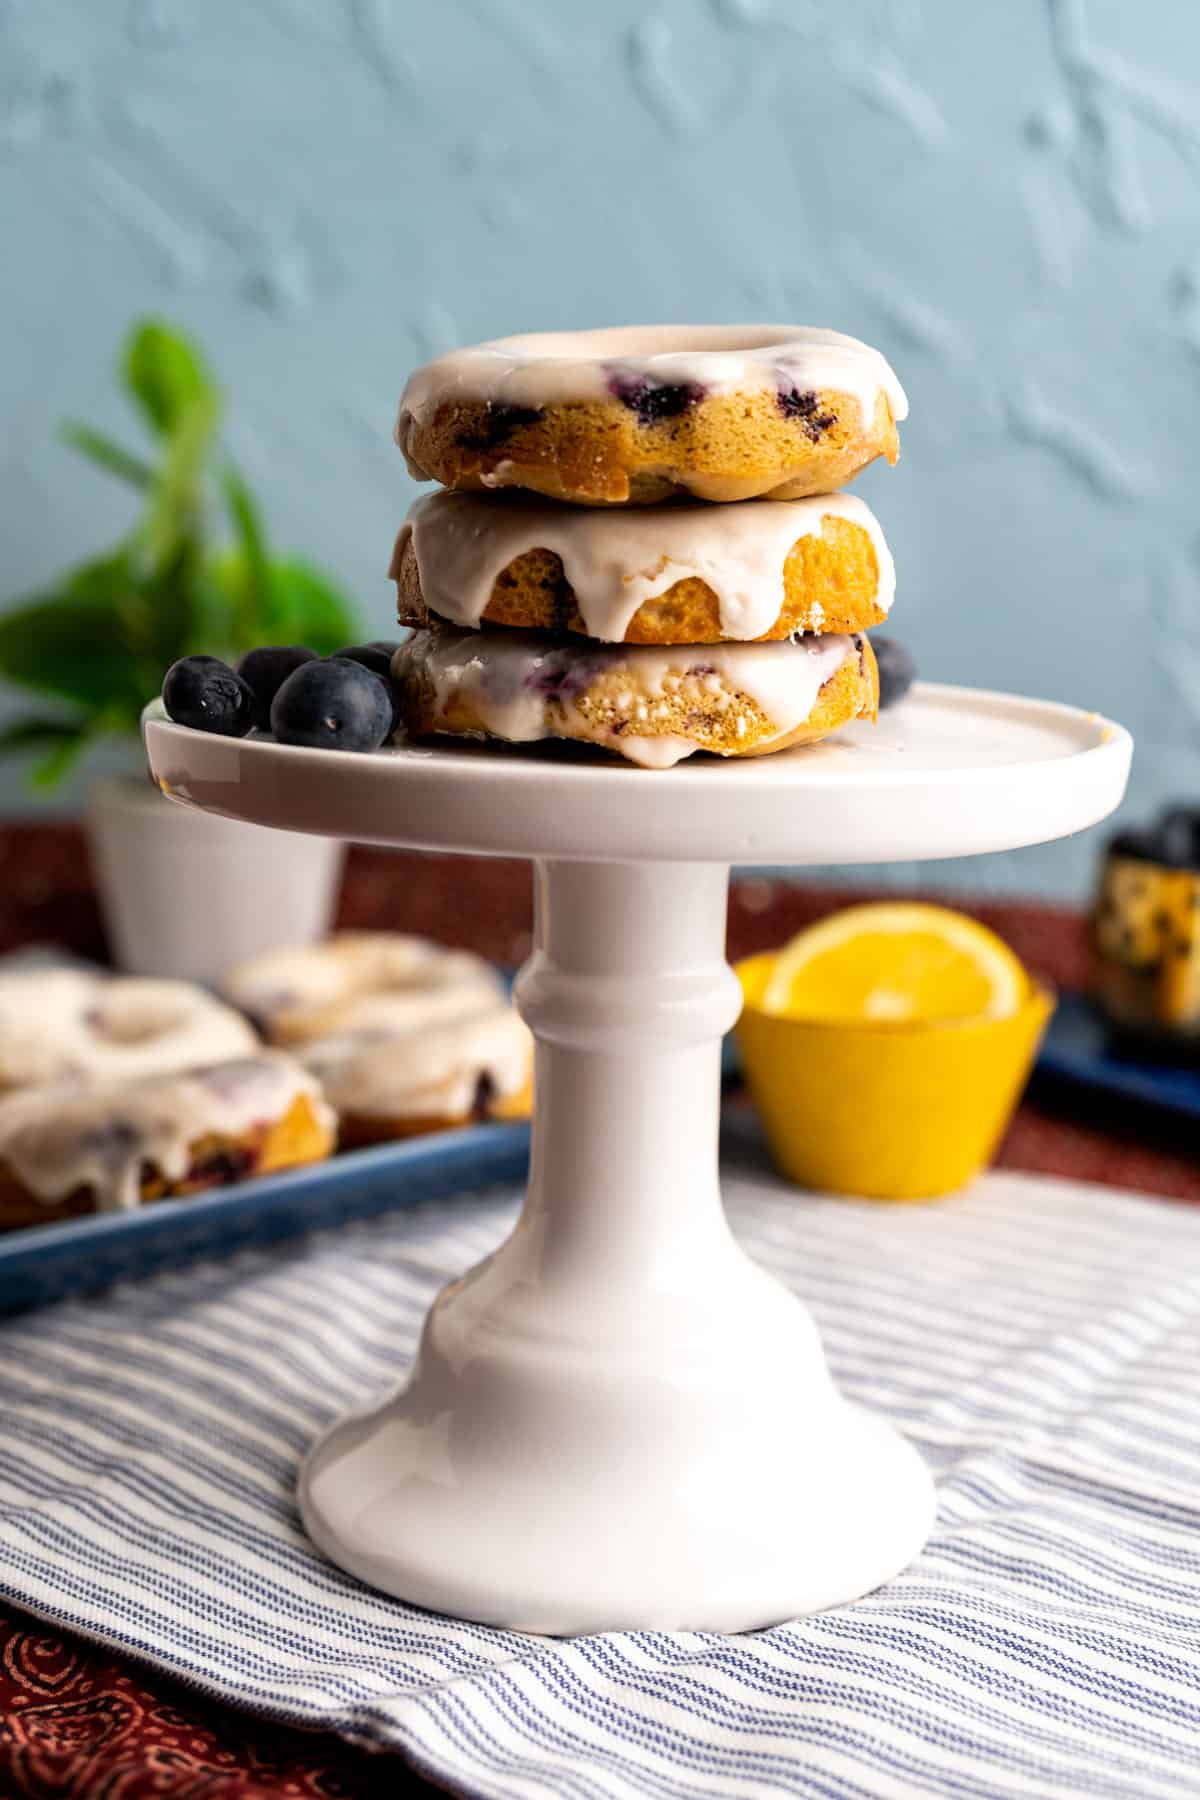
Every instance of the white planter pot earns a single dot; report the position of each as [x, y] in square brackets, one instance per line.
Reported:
[187, 893]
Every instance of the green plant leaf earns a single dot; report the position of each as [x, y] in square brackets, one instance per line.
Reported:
[254, 585]
[145, 625]
[166, 374]
[59, 760]
[102, 579]
[61, 741]
[102, 637]
[303, 607]
[311, 609]
[158, 614]
[37, 734]
[107, 454]
[229, 617]
[175, 509]
[74, 645]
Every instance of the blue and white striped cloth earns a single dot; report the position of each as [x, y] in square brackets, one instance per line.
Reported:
[1039, 1342]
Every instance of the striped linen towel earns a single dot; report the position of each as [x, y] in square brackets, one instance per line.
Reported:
[1040, 1342]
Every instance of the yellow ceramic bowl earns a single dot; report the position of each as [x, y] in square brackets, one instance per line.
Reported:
[893, 1111]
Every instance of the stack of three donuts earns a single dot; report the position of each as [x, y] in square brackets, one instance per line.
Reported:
[604, 597]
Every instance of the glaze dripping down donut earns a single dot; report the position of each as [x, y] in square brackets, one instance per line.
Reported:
[431, 1077]
[683, 574]
[67, 1150]
[652, 706]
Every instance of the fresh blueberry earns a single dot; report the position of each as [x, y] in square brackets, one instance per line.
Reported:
[266, 669]
[897, 670]
[376, 656]
[334, 704]
[655, 400]
[205, 693]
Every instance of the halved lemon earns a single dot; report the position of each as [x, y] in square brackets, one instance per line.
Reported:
[896, 962]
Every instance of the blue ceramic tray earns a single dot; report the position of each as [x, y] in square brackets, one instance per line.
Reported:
[74, 1256]
[1076, 1049]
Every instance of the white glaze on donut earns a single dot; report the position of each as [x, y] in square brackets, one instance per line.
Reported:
[429, 1071]
[68, 1024]
[60, 1139]
[360, 980]
[564, 367]
[617, 558]
[506, 679]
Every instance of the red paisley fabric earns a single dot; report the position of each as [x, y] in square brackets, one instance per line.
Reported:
[76, 1724]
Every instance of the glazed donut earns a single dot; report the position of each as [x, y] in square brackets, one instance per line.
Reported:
[377, 981]
[65, 1151]
[432, 1077]
[651, 706]
[640, 413]
[65, 1024]
[684, 574]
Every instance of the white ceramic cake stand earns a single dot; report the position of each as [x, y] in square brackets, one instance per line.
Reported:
[618, 1419]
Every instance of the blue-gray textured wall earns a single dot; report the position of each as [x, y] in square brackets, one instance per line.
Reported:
[1003, 196]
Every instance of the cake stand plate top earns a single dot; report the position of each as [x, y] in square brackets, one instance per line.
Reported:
[949, 772]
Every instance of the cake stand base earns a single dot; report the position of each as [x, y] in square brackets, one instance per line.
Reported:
[619, 1420]
[729, 1524]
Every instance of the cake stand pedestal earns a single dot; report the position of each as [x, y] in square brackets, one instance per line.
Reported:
[618, 1420]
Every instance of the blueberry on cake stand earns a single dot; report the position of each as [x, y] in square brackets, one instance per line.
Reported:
[618, 1420]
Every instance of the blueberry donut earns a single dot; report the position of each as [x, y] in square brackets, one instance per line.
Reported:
[641, 413]
[387, 1083]
[681, 574]
[68, 1024]
[66, 1150]
[652, 706]
[378, 981]
[1145, 931]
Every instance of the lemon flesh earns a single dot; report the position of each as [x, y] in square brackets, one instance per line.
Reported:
[896, 963]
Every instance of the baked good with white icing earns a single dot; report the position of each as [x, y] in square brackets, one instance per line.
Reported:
[355, 981]
[69, 1024]
[67, 1150]
[404, 1035]
[641, 413]
[681, 574]
[650, 705]
[392, 1083]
